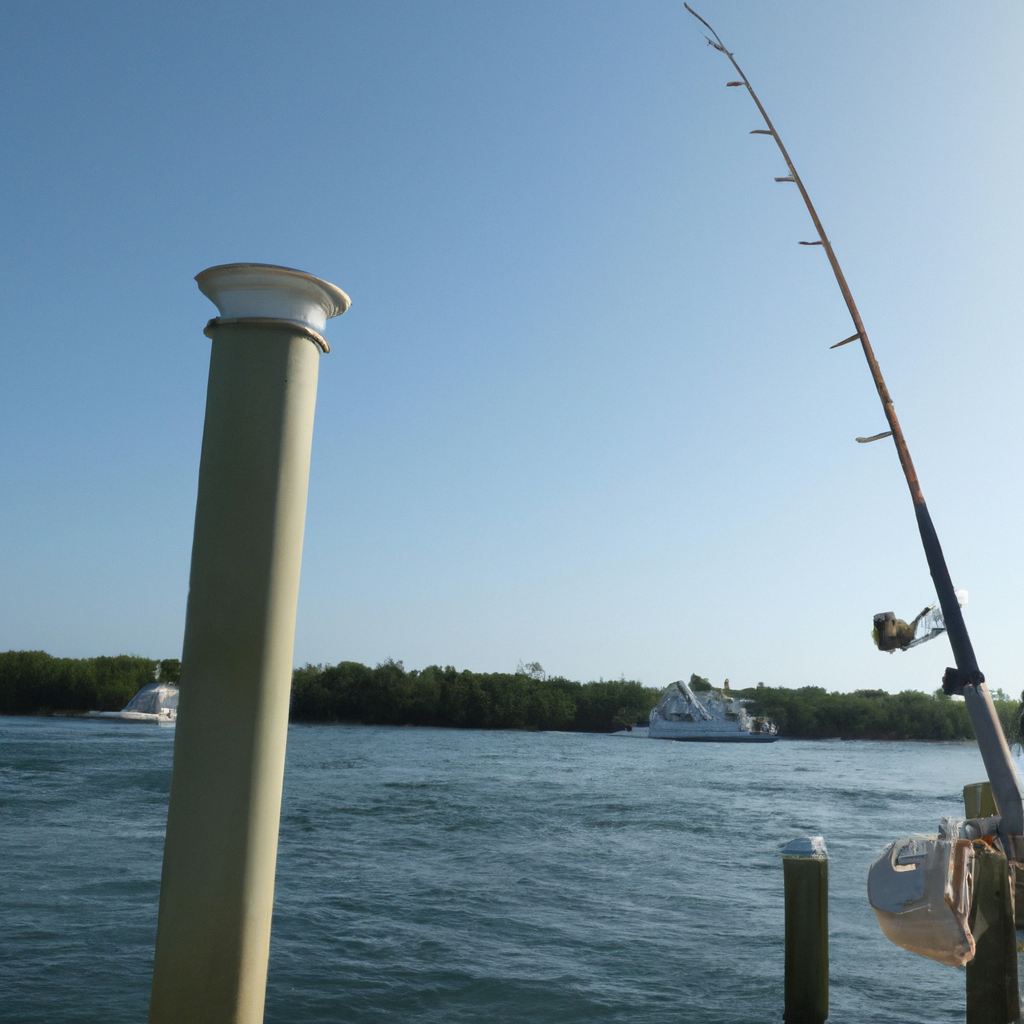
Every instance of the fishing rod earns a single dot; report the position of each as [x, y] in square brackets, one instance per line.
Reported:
[966, 679]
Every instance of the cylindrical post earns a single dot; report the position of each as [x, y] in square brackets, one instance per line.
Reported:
[979, 803]
[978, 800]
[217, 889]
[992, 993]
[805, 875]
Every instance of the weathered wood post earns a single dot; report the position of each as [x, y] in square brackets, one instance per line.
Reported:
[217, 889]
[805, 876]
[993, 996]
[978, 800]
[979, 803]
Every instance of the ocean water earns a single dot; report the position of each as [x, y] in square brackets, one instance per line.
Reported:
[430, 875]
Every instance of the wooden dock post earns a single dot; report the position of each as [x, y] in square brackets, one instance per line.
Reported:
[805, 875]
[979, 803]
[978, 800]
[993, 996]
[991, 979]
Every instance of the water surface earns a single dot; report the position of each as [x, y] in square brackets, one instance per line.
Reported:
[442, 875]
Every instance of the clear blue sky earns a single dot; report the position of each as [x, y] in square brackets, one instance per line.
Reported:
[583, 409]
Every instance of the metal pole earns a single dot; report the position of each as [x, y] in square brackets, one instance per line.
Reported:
[217, 889]
[966, 679]
[805, 876]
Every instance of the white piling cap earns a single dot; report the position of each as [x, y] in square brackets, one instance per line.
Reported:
[808, 846]
[241, 290]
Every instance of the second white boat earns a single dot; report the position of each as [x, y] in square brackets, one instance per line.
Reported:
[715, 718]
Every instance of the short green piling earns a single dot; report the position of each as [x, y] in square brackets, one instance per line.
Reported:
[805, 876]
[993, 996]
[978, 800]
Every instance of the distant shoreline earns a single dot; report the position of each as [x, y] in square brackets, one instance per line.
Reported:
[349, 693]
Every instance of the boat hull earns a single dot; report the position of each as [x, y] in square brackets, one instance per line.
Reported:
[134, 716]
[737, 737]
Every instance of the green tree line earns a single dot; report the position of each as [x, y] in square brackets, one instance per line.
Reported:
[527, 699]
[32, 682]
[810, 712]
[389, 695]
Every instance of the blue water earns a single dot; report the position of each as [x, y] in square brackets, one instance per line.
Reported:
[436, 875]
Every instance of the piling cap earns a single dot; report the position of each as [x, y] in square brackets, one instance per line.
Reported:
[808, 846]
[242, 290]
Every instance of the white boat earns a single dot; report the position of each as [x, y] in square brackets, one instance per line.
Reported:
[157, 702]
[715, 718]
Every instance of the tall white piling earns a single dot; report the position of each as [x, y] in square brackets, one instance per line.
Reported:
[217, 889]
